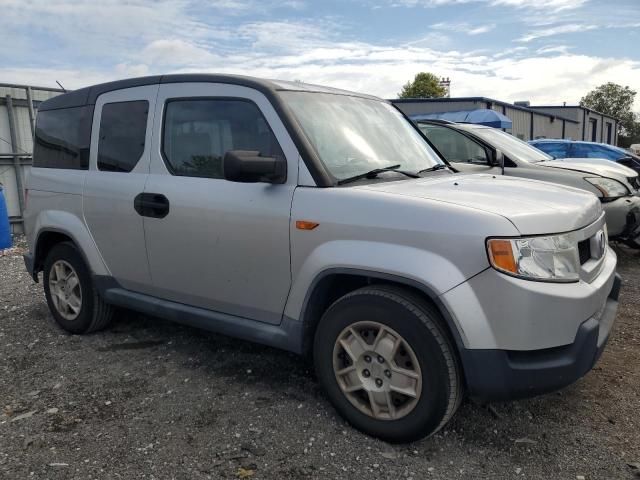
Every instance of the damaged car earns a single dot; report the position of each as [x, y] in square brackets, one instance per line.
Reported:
[479, 149]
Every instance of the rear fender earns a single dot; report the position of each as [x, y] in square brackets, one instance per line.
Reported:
[74, 227]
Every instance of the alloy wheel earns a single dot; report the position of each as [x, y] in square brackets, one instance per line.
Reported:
[377, 370]
[65, 290]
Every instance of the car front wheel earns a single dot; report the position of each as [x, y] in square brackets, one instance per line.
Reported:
[386, 363]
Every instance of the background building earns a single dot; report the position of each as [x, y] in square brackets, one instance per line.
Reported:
[596, 127]
[18, 107]
[528, 122]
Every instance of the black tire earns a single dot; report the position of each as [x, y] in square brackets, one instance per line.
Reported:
[418, 322]
[95, 314]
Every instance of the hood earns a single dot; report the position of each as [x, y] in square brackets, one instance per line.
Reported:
[593, 166]
[534, 207]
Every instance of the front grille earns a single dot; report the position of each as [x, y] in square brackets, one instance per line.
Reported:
[584, 251]
[635, 182]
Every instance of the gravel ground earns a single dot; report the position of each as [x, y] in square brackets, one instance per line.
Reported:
[151, 399]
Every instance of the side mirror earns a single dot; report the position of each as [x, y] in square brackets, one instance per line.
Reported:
[248, 166]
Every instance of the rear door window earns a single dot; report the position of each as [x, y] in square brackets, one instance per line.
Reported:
[123, 128]
[198, 133]
[62, 138]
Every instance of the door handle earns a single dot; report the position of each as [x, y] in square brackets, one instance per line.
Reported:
[154, 205]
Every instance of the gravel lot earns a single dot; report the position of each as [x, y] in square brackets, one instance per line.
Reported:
[151, 399]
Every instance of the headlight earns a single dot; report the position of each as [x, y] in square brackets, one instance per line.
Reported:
[549, 259]
[609, 187]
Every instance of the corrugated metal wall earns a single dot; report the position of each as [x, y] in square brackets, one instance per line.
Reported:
[573, 131]
[18, 153]
[580, 114]
[521, 123]
[547, 127]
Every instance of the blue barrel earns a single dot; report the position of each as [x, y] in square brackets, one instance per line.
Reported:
[5, 230]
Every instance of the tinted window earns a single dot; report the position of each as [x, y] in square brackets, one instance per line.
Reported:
[455, 146]
[63, 137]
[555, 149]
[584, 150]
[123, 127]
[197, 134]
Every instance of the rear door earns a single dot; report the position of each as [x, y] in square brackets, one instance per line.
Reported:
[220, 245]
[118, 171]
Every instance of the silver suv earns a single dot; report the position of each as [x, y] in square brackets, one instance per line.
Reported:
[318, 221]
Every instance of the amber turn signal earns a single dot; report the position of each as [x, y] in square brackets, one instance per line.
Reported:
[306, 225]
[501, 255]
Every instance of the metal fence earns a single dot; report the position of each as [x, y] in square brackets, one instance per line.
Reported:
[18, 107]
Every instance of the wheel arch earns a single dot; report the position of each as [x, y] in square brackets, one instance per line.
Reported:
[48, 238]
[333, 283]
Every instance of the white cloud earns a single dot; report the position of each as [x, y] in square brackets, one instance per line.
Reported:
[557, 30]
[548, 5]
[314, 51]
[176, 51]
[552, 6]
[555, 49]
[464, 27]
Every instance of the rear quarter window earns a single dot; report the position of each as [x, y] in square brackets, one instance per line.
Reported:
[62, 138]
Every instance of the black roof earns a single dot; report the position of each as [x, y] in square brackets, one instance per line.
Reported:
[88, 95]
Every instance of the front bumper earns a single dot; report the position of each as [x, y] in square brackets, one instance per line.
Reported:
[494, 375]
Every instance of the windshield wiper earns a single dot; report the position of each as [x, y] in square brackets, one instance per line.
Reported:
[374, 173]
[438, 166]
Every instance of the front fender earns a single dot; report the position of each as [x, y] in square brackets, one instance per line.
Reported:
[432, 272]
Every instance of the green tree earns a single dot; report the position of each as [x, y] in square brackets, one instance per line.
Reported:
[424, 85]
[631, 136]
[615, 100]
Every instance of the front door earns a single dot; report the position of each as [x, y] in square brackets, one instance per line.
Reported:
[118, 170]
[221, 245]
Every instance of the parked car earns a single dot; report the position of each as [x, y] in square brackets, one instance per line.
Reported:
[321, 222]
[567, 149]
[480, 149]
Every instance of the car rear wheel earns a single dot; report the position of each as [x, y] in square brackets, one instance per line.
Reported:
[387, 365]
[72, 299]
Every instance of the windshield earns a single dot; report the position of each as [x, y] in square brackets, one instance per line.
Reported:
[511, 146]
[353, 135]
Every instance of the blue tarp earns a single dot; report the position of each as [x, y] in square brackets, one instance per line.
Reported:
[5, 231]
[487, 117]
